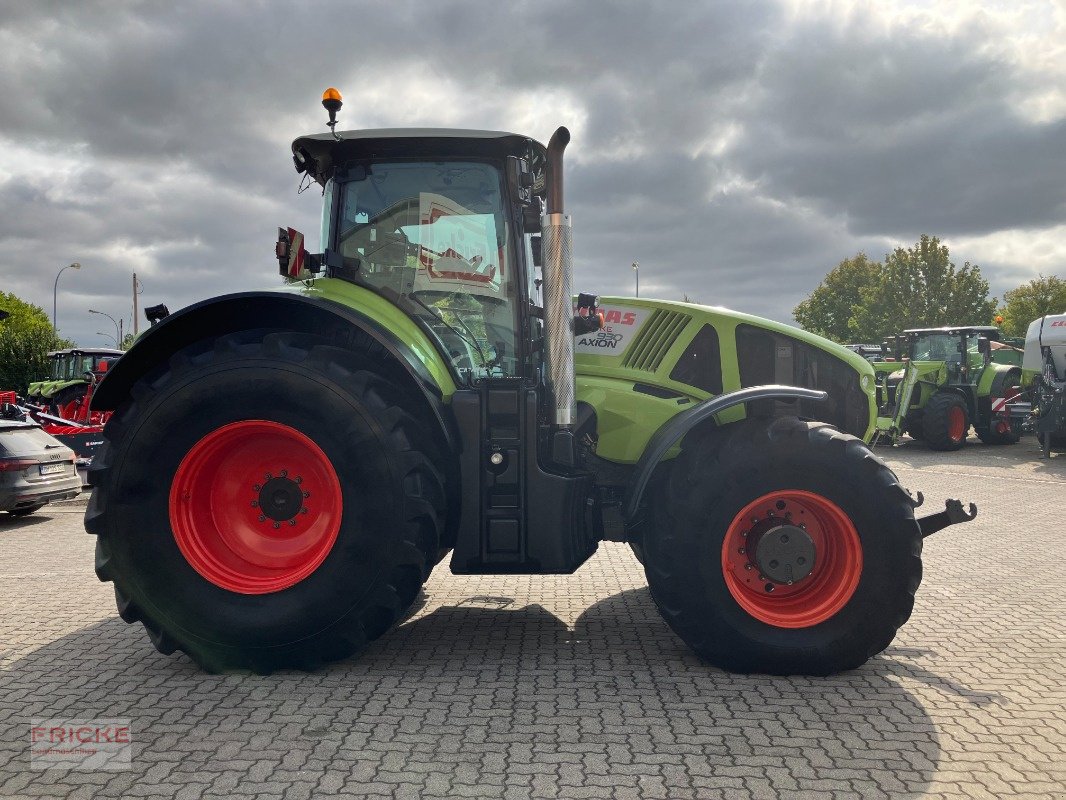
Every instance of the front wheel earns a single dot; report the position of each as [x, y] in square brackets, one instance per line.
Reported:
[945, 421]
[783, 548]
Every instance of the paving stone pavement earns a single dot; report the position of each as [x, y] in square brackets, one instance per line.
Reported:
[573, 687]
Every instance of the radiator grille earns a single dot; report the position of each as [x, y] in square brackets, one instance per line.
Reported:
[649, 346]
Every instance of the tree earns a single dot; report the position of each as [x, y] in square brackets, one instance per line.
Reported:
[920, 287]
[831, 308]
[1031, 300]
[917, 287]
[26, 336]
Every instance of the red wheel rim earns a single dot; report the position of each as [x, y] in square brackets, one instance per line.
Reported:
[956, 423]
[255, 507]
[818, 595]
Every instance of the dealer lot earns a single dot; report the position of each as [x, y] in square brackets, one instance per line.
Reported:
[573, 686]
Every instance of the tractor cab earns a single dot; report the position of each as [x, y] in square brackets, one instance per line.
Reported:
[964, 351]
[447, 236]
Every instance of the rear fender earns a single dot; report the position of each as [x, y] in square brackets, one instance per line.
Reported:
[250, 310]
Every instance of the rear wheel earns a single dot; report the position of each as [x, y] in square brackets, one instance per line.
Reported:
[945, 421]
[265, 501]
[996, 435]
[783, 548]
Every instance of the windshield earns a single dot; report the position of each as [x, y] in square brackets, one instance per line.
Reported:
[936, 347]
[434, 237]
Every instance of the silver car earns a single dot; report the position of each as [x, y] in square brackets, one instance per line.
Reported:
[34, 468]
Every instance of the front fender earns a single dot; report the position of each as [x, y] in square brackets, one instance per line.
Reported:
[670, 433]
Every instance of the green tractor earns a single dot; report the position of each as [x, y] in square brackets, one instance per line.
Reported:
[66, 384]
[284, 468]
[943, 380]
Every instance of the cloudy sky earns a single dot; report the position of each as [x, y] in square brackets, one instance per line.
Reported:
[737, 150]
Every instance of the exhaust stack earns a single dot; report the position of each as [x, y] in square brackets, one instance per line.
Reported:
[558, 296]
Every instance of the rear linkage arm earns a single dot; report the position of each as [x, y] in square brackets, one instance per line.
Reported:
[952, 514]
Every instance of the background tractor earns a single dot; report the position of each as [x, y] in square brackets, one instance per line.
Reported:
[284, 468]
[63, 391]
[943, 380]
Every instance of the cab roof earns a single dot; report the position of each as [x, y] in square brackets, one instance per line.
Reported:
[86, 351]
[989, 331]
[320, 154]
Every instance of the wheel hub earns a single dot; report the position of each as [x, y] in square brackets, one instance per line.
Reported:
[791, 558]
[243, 523]
[280, 499]
[785, 554]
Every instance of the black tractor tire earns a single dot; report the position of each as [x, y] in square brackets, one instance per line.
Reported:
[991, 436]
[941, 421]
[700, 503]
[25, 512]
[388, 481]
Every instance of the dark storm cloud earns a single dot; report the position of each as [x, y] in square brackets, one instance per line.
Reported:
[736, 150]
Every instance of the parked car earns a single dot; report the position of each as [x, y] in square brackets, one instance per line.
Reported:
[35, 468]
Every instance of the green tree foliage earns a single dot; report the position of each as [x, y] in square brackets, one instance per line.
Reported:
[26, 336]
[830, 310]
[1031, 300]
[915, 287]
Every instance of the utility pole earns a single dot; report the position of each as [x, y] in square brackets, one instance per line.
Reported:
[636, 275]
[135, 315]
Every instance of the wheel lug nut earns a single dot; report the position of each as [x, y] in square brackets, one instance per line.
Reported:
[262, 518]
[277, 525]
[307, 494]
[255, 504]
[257, 488]
[299, 479]
[292, 524]
[748, 566]
[769, 587]
[740, 550]
[284, 473]
[269, 476]
[303, 510]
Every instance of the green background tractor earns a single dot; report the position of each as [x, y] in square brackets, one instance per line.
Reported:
[942, 381]
[66, 382]
[284, 468]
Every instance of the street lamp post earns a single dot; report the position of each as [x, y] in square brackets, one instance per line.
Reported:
[55, 290]
[118, 328]
[636, 275]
